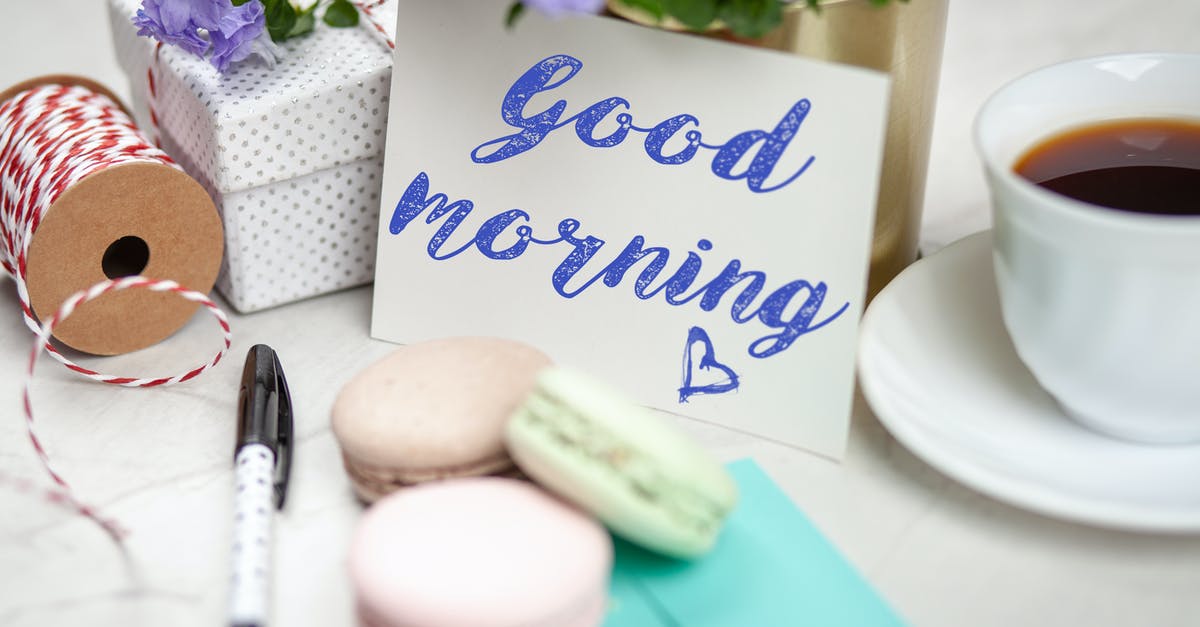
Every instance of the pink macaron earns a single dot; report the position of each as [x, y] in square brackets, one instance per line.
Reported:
[479, 552]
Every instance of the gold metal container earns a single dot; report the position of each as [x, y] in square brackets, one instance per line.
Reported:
[903, 39]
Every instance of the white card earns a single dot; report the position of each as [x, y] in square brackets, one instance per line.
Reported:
[687, 218]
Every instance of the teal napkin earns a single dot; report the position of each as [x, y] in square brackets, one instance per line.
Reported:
[771, 568]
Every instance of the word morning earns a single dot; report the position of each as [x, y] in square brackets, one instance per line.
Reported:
[790, 310]
[548, 74]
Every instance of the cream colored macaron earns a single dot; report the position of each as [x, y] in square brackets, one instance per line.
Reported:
[433, 410]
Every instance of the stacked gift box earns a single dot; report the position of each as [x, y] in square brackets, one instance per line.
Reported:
[292, 155]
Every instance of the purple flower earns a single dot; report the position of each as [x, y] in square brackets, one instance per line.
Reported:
[556, 8]
[175, 22]
[242, 32]
[198, 26]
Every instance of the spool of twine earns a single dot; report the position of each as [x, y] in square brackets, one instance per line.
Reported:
[85, 197]
[87, 206]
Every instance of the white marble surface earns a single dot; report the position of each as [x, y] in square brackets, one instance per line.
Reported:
[160, 459]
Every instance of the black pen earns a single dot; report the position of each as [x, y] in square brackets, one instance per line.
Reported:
[262, 462]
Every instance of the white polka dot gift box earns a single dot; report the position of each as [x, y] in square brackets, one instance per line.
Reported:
[292, 155]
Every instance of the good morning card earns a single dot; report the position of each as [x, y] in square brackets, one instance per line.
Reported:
[688, 218]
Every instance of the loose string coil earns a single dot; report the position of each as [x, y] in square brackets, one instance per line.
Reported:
[51, 138]
[64, 493]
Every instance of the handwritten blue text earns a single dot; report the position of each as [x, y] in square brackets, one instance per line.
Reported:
[556, 70]
[790, 310]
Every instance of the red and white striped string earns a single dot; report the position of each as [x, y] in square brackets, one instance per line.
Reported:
[51, 138]
[368, 11]
[152, 95]
[64, 492]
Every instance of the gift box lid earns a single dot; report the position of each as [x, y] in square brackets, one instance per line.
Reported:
[324, 104]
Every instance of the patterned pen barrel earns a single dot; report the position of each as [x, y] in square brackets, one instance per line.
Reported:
[262, 462]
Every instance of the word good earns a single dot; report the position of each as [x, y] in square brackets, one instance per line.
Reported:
[532, 129]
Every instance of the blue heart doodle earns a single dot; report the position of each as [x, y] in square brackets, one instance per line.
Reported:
[708, 361]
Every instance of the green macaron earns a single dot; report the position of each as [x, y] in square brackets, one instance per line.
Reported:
[649, 483]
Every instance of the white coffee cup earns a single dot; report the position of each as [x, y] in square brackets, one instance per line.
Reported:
[1102, 305]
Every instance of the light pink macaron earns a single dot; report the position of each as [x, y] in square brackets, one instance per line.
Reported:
[433, 410]
[481, 552]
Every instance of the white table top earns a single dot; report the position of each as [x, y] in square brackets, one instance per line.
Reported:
[159, 460]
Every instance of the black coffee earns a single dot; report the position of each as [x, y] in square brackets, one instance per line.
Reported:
[1140, 165]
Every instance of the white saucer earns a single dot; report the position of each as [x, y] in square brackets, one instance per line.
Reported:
[938, 368]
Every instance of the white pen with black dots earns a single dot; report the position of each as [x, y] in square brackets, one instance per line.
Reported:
[262, 461]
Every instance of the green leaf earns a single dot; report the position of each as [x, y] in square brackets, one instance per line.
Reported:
[695, 14]
[341, 14]
[306, 20]
[514, 13]
[653, 7]
[281, 18]
[751, 18]
[238, 3]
